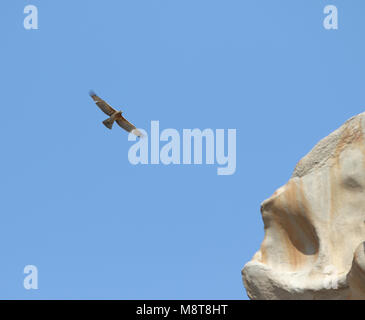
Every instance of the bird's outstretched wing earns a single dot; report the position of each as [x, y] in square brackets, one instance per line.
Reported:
[126, 125]
[104, 106]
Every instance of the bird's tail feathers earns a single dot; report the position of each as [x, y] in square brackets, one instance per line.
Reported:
[138, 133]
[108, 123]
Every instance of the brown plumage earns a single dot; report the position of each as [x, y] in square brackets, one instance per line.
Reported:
[114, 115]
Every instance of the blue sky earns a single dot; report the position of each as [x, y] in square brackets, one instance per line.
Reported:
[98, 227]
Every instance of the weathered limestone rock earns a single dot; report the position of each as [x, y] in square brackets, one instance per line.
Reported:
[314, 244]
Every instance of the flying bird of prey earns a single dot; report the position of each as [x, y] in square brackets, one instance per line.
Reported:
[114, 115]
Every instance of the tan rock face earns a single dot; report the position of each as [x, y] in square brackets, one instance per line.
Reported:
[315, 225]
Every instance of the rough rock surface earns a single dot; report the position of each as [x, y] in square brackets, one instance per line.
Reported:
[315, 225]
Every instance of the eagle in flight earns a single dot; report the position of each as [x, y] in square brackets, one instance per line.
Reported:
[114, 115]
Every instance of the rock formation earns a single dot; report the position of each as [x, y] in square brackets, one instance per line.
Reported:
[315, 225]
